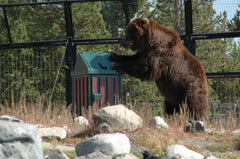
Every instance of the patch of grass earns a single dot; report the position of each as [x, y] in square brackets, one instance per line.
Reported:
[228, 155]
[216, 148]
[45, 150]
[137, 154]
[70, 154]
[237, 145]
[155, 140]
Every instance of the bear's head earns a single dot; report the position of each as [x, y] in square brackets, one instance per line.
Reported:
[142, 33]
[135, 34]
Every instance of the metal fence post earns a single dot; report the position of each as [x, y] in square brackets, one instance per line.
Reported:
[188, 41]
[70, 54]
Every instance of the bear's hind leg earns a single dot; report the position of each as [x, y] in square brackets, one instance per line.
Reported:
[170, 108]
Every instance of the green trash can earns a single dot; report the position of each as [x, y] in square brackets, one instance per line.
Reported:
[95, 83]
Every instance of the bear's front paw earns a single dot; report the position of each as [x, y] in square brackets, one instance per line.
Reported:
[116, 67]
[113, 56]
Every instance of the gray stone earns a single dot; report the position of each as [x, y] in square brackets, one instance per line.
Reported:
[108, 144]
[57, 132]
[94, 155]
[158, 123]
[117, 118]
[82, 121]
[9, 118]
[47, 145]
[127, 156]
[105, 127]
[236, 133]
[55, 154]
[19, 140]
[181, 152]
[194, 126]
[99, 155]
[210, 157]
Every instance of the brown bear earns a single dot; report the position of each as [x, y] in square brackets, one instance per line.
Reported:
[161, 57]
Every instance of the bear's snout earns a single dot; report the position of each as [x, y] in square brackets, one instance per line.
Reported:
[127, 44]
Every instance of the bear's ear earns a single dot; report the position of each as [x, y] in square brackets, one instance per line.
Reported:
[143, 23]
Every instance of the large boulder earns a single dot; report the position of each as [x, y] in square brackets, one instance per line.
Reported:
[57, 132]
[180, 152]
[19, 140]
[105, 145]
[117, 118]
[158, 123]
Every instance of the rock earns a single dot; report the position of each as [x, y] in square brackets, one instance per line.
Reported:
[55, 154]
[19, 140]
[47, 145]
[214, 131]
[105, 128]
[236, 133]
[57, 132]
[110, 145]
[68, 130]
[127, 156]
[157, 122]
[82, 121]
[94, 155]
[199, 142]
[210, 157]
[194, 126]
[9, 118]
[99, 155]
[116, 118]
[181, 152]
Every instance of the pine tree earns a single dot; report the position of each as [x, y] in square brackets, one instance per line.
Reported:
[117, 14]
[234, 24]
[89, 24]
[13, 76]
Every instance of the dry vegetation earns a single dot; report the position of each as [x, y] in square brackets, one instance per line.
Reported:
[41, 112]
[218, 141]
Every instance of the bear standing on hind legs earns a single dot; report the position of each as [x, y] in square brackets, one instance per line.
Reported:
[161, 57]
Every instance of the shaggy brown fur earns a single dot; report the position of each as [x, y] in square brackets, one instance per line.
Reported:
[161, 57]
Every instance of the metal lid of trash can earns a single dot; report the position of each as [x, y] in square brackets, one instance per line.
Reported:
[93, 63]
